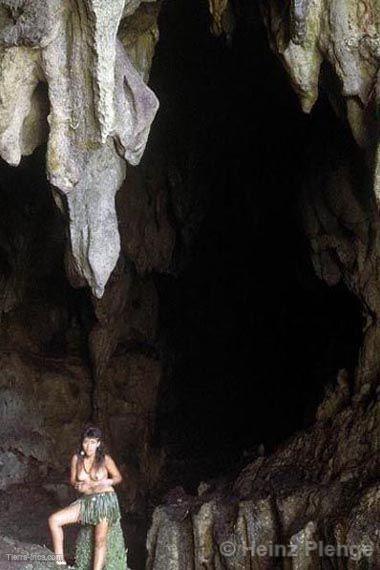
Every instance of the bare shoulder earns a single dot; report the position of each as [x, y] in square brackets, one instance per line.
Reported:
[74, 458]
[108, 460]
[110, 464]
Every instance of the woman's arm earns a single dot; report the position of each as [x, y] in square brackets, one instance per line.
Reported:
[73, 470]
[115, 478]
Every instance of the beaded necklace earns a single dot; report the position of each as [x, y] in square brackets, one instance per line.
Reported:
[88, 472]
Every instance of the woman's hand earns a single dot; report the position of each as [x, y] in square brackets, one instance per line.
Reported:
[83, 486]
[107, 482]
[102, 484]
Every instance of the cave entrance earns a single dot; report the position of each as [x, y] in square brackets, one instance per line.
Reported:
[252, 335]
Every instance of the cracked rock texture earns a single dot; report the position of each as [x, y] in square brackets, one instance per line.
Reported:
[98, 107]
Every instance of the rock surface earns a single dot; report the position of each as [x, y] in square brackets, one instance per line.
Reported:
[14, 553]
[293, 509]
[99, 112]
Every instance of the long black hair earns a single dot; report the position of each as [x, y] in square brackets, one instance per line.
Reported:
[96, 433]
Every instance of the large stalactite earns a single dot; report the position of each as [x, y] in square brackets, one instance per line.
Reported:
[100, 112]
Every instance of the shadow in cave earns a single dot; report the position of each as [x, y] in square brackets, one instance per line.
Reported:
[41, 313]
[252, 335]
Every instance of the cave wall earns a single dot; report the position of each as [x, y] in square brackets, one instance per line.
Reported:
[54, 381]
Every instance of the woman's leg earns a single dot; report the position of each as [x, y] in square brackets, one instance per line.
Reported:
[68, 515]
[100, 544]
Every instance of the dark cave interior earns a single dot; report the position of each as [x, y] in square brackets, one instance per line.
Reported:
[251, 336]
[55, 316]
[255, 334]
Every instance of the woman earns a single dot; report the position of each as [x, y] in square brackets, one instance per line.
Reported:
[100, 543]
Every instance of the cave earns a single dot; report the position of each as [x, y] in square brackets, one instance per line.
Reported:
[255, 334]
[189, 259]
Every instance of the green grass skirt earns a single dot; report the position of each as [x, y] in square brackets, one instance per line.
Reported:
[94, 508]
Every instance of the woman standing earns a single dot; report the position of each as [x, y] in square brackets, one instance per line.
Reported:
[100, 543]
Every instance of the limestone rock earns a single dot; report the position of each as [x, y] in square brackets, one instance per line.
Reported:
[314, 497]
[304, 556]
[342, 35]
[12, 469]
[169, 542]
[139, 35]
[223, 17]
[25, 556]
[100, 114]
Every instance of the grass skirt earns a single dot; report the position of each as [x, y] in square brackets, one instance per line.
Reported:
[94, 508]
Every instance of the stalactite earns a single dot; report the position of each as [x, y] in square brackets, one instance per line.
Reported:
[100, 114]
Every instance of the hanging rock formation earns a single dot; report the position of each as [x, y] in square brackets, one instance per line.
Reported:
[335, 46]
[100, 112]
[223, 18]
[345, 35]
